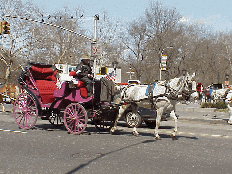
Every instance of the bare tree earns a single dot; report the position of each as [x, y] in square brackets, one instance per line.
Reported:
[31, 41]
[134, 44]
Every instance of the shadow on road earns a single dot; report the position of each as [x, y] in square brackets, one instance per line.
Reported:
[132, 145]
[102, 155]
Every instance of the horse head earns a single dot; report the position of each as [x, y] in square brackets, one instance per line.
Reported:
[183, 85]
[189, 85]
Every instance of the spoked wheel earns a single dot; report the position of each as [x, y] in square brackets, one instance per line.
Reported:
[133, 119]
[56, 118]
[25, 111]
[75, 118]
[103, 125]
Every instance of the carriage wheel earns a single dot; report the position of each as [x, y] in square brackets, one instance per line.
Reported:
[75, 118]
[25, 111]
[103, 125]
[56, 118]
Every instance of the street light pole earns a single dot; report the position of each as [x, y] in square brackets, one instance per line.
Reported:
[94, 44]
[96, 18]
[164, 57]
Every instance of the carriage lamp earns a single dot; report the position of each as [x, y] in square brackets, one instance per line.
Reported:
[184, 72]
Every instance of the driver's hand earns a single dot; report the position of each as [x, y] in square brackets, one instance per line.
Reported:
[90, 76]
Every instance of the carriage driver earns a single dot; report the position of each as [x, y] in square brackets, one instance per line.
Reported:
[84, 73]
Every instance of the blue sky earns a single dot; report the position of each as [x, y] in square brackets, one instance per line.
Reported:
[217, 14]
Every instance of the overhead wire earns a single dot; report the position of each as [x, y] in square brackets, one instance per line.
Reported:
[49, 24]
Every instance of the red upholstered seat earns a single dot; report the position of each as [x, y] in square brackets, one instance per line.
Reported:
[83, 89]
[44, 73]
[46, 89]
[83, 92]
[72, 73]
[41, 70]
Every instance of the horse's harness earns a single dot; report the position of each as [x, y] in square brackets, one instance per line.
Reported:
[170, 93]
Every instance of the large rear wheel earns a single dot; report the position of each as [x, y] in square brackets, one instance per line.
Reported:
[75, 118]
[25, 111]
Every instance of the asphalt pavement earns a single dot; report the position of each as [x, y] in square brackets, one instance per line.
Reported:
[203, 145]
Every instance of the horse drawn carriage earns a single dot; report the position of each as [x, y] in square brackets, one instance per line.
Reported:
[67, 104]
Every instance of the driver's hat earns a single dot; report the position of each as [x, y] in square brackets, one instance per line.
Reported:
[85, 57]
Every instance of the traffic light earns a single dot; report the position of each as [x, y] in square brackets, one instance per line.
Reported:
[5, 28]
[1, 30]
[103, 70]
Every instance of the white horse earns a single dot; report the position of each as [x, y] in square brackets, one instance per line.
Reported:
[162, 98]
[219, 94]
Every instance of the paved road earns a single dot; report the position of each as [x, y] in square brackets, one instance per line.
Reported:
[203, 146]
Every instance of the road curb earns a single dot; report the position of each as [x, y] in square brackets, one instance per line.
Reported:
[196, 109]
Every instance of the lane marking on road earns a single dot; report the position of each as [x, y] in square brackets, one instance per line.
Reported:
[7, 130]
[207, 135]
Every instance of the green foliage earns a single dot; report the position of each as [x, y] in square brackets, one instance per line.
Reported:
[218, 105]
[206, 105]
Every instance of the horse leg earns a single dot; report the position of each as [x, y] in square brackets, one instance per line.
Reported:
[3, 107]
[135, 108]
[230, 113]
[158, 119]
[173, 115]
[120, 112]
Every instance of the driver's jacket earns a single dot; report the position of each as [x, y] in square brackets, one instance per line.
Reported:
[83, 70]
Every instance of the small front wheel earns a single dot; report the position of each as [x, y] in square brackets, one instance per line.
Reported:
[75, 118]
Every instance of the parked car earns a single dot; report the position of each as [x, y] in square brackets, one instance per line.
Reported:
[217, 86]
[148, 116]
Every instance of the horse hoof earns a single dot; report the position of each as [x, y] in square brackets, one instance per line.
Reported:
[112, 130]
[173, 137]
[135, 133]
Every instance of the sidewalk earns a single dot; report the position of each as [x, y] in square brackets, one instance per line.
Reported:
[194, 112]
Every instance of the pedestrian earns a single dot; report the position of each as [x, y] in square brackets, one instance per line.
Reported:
[84, 74]
[210, 93]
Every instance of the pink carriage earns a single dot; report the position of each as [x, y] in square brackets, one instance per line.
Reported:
[68, 105]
